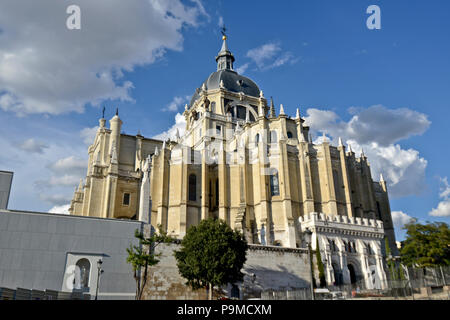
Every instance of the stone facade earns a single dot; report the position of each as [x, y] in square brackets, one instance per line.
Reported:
[238, 161]
[350, 248]
[266, 268]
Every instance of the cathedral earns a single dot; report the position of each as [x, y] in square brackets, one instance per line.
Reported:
[257, 169]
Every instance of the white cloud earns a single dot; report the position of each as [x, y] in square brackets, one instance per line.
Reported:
[31, 145]
[377, 130]
[400, 218]
[180, 124]
[46, 68]
[69, 164]
[243, 68]
[174, 105]
[56, 199]
[443, 208]
[374, 124]
[88, 135]
[62, 209]
[267, 56]
[221, 22]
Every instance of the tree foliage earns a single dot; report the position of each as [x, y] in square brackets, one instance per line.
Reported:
[211, 254]
[322, 281]
[390, 261]
[426, 245]
[143, 256]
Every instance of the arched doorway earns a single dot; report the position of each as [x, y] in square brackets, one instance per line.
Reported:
[352, 272]
[338, 278]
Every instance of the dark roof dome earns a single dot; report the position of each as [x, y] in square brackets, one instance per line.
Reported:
[232, 81]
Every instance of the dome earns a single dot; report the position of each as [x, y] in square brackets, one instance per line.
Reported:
[232, 81]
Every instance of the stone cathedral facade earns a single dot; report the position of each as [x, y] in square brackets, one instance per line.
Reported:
[240, 161]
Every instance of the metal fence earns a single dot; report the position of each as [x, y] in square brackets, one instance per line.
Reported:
[27, 294]
[414, 283]
[299, 294]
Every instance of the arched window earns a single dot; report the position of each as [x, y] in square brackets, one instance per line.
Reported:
[193, 187]
[289, 135]
[257, 139]
[378, 211]
[241, 112]
[274, 183]
[217, 192]
[82, 274]
[273, 136]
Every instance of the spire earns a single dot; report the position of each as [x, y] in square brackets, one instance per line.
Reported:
[177, 135]
[325, 139]
[164, 145]
[297, 115]
[381, 178]
[302, 137]
[261, 94]
[362, 153]
[272, 109]
[80, 186]
[224, 58]
[340, 142]
[156, 151]
[350, 148]
[281, 110]
[114, 155]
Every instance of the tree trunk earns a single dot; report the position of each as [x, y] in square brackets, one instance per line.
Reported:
[210, 292]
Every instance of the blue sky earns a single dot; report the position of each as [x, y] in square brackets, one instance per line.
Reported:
[315, 55]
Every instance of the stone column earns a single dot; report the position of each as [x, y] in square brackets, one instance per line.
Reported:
[331, 196]
[305, 178]
[184, 190]
[285, 193]
[346, 180]
[223, 184]
[205, 186]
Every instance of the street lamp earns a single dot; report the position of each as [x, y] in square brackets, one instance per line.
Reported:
[99, 272]
[307, 237]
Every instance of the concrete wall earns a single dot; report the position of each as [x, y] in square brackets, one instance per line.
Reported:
[36, 250]
[274, 268]
[5, 188]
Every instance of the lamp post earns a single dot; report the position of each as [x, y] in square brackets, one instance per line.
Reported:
[307, 237]
[99, 272]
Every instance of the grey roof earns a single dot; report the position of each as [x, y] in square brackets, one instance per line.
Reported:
[232, 81]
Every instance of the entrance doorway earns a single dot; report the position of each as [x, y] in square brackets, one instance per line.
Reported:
[351, 269]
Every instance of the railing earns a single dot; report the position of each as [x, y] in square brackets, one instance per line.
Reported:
[27, 294]
[299, 294]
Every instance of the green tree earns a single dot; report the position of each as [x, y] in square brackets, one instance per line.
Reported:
[390, 261]
[322, 281]
[211, 254]
[311, 256]
[426, 245]
[143, 256]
